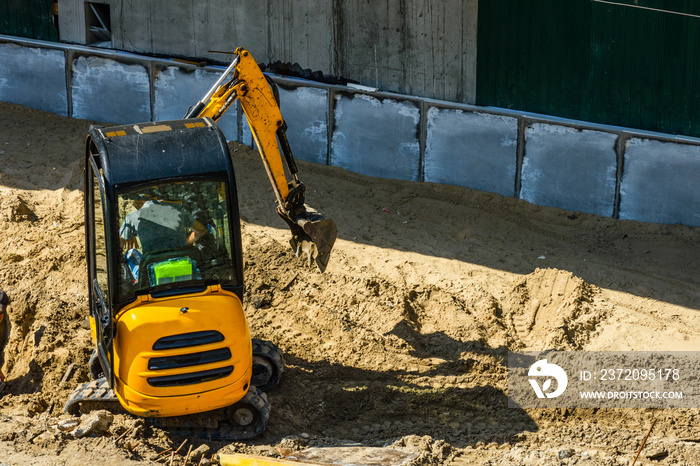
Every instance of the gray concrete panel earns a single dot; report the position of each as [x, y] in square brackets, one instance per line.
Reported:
[177, 89]
[471, 149]
[71, 21]
[110, 91]
[182, 28]
[131, 27]
[34, 77]
[161, 26]
[376, 137]
[305, 110]
[660, 182]
[224, 25]
[569, 168]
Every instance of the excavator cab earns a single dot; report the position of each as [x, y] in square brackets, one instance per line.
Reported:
[165, 273]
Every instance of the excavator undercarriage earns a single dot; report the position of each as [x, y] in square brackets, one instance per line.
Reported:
[244, 420]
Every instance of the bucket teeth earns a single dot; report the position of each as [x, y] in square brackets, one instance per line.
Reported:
[313, 235]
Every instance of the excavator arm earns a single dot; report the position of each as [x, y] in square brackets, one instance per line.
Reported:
[312, 233]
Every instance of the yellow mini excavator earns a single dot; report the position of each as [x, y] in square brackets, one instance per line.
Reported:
[163, 249]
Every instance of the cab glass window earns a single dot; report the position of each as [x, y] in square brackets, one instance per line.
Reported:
[174, 234]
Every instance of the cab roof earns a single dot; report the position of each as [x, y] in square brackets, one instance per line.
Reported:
[136, 153]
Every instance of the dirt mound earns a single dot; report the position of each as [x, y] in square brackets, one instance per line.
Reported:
[553, 309]
[365, 320]
[44, 274]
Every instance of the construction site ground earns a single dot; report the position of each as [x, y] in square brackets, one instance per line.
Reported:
[401, 343]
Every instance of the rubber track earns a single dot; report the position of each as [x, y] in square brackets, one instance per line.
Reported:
[98, 395]
[92, 395]
[188, 426]
[272, 353]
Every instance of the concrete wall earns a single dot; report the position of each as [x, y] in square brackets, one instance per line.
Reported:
[98, 81]
[660, 182]
[576, 166]
[417, 47]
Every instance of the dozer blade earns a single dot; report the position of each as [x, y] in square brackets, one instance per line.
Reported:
[312, 234]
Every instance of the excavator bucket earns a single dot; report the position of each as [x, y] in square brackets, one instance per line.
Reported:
[312, 234]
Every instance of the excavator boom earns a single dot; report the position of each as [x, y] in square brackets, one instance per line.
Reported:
[312, 233]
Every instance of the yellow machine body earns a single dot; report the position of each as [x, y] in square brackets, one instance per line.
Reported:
[142, 324]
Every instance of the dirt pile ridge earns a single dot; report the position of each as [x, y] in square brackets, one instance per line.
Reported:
[553, 309]
[403, 341]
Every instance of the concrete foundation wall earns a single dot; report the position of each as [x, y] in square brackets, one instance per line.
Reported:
[660, 182]
[305, 111]
[607, 171]
[98, 82]
[417, 47]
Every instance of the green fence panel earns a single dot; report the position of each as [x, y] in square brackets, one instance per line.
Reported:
[32, 19]
[631, 63]
[533, 55]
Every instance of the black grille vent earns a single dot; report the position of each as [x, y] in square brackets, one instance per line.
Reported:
[187, 360]
[191, 378]
[186, 340]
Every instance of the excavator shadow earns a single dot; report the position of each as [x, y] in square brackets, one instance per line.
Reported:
[458, 397]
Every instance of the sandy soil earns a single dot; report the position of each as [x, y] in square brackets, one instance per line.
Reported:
[403, 341]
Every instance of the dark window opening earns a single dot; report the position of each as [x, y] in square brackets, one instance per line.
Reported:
[97, 22]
